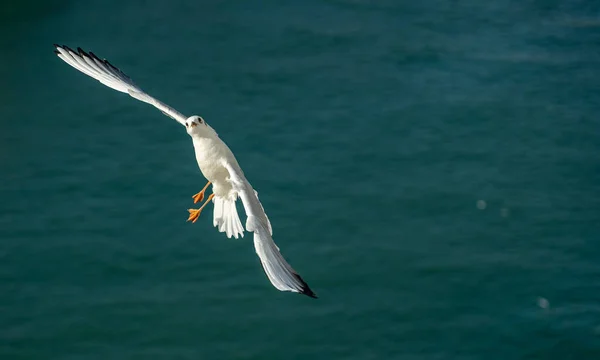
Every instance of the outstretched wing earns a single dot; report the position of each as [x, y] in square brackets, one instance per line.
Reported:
[279, 272]
[109, 75]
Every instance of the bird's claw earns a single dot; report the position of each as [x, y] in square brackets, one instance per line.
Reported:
[194, 214]
[198, 197]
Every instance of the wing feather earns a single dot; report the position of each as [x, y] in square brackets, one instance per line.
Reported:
[280, 273]
[111, 76]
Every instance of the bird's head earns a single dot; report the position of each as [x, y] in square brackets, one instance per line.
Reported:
[195, 125]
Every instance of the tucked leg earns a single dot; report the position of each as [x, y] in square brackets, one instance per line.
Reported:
[200, 196]
[195, 213]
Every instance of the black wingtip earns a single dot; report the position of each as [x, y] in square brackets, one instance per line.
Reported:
[82, 52]
[101, 60]
[310, 293]
[56, 47]
[305, 288]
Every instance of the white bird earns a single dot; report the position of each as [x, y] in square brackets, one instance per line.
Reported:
[217, 164]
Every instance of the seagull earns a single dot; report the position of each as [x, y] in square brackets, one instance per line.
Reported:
[218, 165]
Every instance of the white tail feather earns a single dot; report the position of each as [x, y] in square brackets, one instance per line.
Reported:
[225, 217]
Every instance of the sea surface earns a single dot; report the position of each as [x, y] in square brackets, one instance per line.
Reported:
[431, 168]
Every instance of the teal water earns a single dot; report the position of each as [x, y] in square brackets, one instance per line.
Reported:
[430, 168]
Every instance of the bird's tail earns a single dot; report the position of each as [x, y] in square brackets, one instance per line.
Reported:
[225, 216]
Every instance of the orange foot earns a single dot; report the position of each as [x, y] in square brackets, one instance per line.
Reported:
[200, 196]
[195, 213]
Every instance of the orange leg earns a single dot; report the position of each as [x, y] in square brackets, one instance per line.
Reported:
[200, 196]
[195, 213]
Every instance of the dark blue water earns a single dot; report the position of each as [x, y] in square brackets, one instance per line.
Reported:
[430, 168]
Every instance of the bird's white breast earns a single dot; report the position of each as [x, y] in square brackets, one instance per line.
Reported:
[210, 154]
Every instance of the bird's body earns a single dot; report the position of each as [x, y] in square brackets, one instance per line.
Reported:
[218, 165]
[210, 151]
[212, 156]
